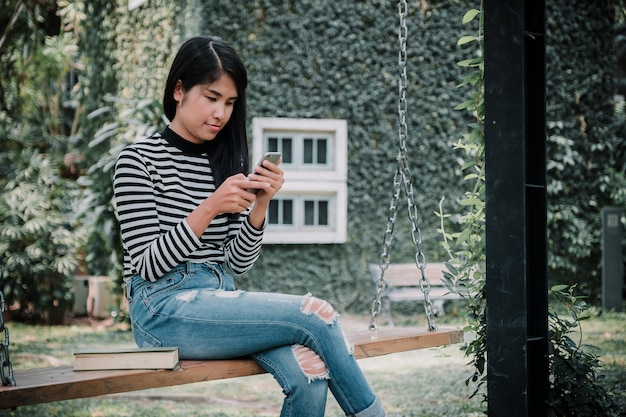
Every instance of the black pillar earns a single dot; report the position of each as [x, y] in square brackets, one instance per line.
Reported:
[612, 260]
[516, 268]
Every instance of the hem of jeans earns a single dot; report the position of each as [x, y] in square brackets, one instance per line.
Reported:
[374, 410]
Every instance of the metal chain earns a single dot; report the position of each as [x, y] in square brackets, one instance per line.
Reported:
[381, 283]
[6, 368]
[402, 177]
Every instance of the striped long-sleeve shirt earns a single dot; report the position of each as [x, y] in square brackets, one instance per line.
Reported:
[158, 181]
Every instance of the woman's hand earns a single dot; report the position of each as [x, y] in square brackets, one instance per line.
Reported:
[232, 196]
[266, 179]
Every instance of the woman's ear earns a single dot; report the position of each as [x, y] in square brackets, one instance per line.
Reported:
[178, 91]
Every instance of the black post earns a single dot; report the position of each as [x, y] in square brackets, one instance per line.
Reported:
[612, 260]
[517, 306]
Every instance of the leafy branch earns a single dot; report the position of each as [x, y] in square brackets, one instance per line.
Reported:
[575, 386]
[466, 248]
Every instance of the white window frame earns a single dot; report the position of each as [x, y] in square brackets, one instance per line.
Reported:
[302, 182]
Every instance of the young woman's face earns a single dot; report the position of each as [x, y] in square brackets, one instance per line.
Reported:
[204, 110]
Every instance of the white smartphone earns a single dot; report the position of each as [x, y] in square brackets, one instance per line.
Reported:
[273, 157]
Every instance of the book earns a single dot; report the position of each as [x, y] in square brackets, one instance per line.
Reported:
[126, 358]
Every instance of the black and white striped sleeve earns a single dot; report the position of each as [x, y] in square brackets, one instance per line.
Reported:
[152, 252]
[245, 248]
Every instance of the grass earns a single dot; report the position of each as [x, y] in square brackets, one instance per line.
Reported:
[422, 383]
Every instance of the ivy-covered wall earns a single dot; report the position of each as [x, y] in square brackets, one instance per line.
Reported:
[146, 37]
[338, 59]
[583, 147]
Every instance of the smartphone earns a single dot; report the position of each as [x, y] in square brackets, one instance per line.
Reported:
[273, 157]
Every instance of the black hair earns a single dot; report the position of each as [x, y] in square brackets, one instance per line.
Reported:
[203, 60]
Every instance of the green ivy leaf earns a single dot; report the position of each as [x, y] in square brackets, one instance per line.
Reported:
[466, 39]
[469, 104]
[470, 15]
[558, 288]
[471, 202]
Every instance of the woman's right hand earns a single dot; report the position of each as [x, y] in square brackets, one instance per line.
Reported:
[232, 196]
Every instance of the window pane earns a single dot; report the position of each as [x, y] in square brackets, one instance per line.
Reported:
[272, 144]
[307, 156]
[287, 151]
[322, 215]
[309, 213]
[272, 212]
[321, 151]
[287, 211]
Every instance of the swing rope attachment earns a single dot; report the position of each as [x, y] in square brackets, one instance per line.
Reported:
[6, 368]
[402, 179]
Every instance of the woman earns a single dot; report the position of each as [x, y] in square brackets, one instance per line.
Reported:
[190, 223]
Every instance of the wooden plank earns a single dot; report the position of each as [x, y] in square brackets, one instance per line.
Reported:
[401, 339]
[62, 383]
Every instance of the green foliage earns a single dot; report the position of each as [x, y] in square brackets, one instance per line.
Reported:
[576, 388]
[126, 122]
[146, 39]
[585, 152]
[37, 113]
[97, 48]
[569, 221]
[36, 238]
[466, 247]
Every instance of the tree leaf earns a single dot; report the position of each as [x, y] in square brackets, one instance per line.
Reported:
[466, 39]
[470, 15]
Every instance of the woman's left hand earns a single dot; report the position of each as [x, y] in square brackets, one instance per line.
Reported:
[268, 179]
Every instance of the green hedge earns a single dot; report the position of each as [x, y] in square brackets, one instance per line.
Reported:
[583, 146]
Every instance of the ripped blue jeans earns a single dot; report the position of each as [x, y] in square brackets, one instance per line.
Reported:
[295, 338]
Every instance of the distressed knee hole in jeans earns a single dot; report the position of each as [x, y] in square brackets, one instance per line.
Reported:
[321, 308]
[311, 364]
[325, 311]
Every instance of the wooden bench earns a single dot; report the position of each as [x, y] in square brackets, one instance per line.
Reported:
[403, 284]
[42, 385]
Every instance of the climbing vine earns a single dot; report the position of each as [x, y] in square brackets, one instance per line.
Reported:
[466, 247]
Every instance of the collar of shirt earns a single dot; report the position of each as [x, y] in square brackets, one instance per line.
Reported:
[186, 147]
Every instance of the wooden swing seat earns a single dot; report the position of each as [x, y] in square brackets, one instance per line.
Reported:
[60, 383]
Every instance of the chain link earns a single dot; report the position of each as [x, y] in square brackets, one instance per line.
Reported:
[6, 368]
[402, 179]
[385, 258]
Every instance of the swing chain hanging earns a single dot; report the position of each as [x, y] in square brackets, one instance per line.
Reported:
[6, 368]
[381, 283]
[402, 178]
